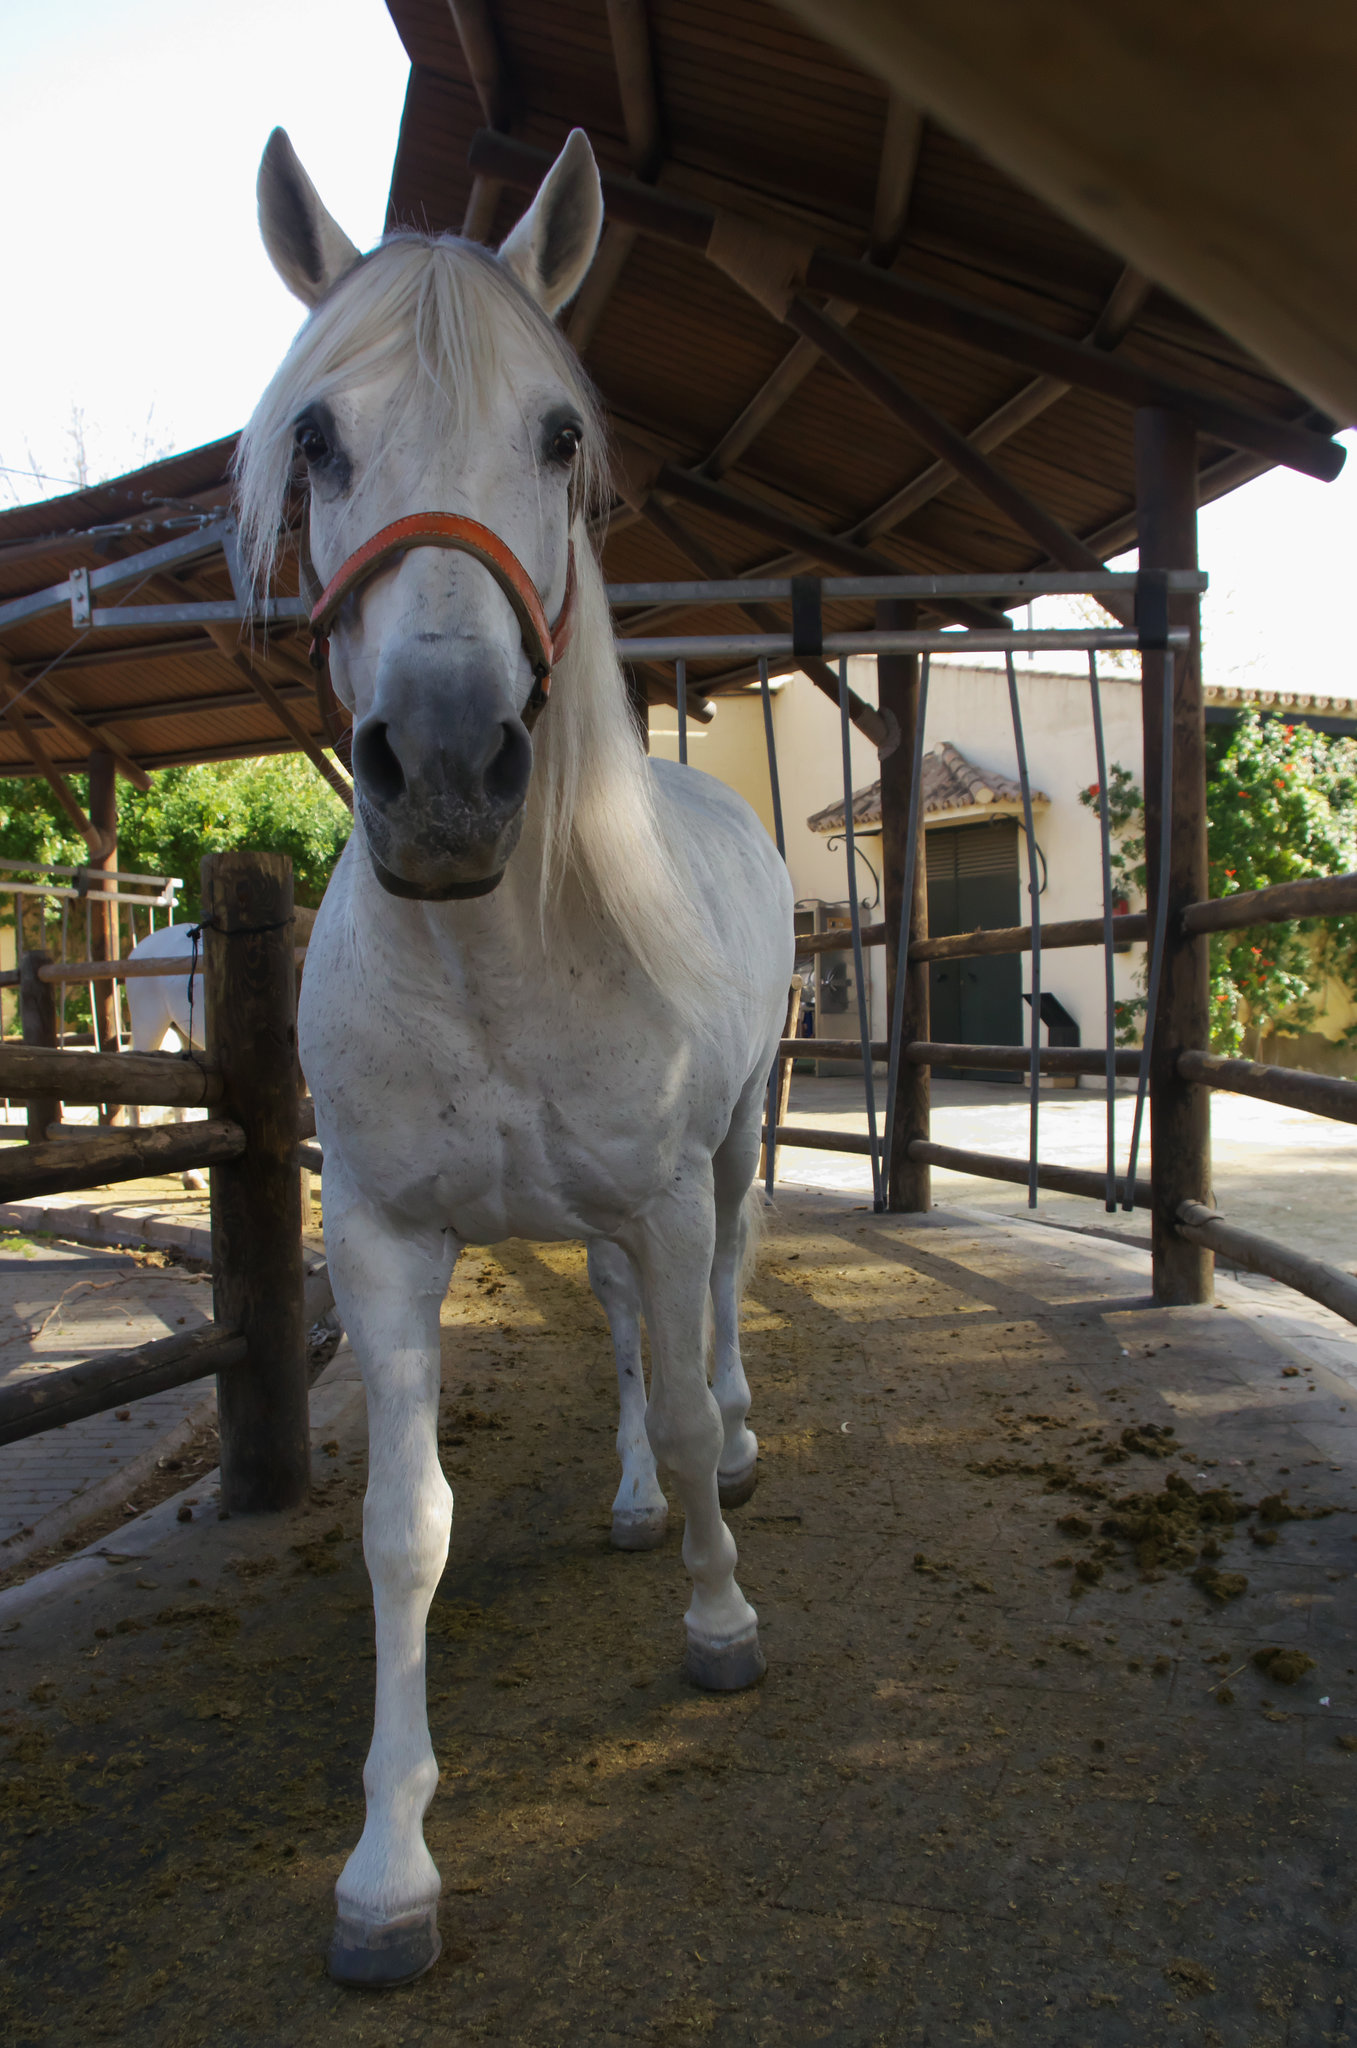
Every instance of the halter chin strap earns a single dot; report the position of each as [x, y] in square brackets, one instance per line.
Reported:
[543, 644]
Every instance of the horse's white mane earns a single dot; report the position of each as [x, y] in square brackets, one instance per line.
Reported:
[434, 309]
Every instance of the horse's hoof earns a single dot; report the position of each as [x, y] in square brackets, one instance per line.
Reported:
[379, 1957]
[735, 1488]
[639, 1528]
[725, 1667]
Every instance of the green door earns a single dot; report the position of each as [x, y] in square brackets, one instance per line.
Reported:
[973, 882]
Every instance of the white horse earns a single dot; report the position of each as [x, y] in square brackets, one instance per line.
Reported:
[158, 1004]
[546, 985]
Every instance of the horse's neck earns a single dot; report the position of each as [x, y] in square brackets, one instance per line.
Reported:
[490, 940]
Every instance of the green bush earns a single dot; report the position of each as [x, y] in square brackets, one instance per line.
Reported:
[1281, 806]
[278, 805]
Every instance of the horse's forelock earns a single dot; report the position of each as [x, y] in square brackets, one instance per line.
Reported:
[437, 311]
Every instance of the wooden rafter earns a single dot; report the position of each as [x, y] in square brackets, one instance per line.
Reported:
[22, 727]
[1125, 302]
[638, 89]
[969, 324]
[944, 440]
[489, 75]
[766, 617]
[227, 641]
[88, 736]
[894, 186]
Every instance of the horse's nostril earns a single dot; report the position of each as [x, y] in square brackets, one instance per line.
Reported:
[507, 775]
[376, 766]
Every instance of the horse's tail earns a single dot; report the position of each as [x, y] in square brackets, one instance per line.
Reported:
[756, 1207]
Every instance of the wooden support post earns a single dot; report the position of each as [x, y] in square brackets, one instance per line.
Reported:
[104, 916]
[251, 1002]
[907, 1180]
[38, 1022]
[1180, 1114]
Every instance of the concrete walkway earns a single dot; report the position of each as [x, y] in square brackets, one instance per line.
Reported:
[66, 1293]
[1282, 1172]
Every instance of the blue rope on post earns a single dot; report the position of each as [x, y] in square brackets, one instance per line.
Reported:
[681, 705]
[1034, 895]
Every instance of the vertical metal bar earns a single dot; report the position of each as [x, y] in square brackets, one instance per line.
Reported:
[770, 1142]
[65, 955]
[681, 703]
[1161, 921]
[1109, 973]
[1034, 897]
[906, 910]
[773, 783]
[855, 918]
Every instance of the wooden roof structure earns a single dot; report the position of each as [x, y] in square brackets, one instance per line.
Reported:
[831, 337]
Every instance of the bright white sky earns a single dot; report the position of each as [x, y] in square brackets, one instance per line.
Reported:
[138, 291]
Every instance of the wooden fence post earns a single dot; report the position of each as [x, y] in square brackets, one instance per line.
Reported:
[38, 1022]
[249, 982]
[908, 1183]
[1180, 1113]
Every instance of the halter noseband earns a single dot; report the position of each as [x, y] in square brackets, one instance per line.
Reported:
[543, 644]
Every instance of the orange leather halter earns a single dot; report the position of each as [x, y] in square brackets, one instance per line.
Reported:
[543, 644]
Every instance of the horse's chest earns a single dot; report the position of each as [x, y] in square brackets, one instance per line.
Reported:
[505, 1131]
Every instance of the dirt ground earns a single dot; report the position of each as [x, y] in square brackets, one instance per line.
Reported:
[1014, 1774]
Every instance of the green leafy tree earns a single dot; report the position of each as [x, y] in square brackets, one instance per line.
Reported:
[277, 804]
[1281, 806]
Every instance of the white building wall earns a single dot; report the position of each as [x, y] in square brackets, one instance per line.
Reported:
[968, 707]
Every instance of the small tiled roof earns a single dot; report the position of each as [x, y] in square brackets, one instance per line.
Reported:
[950, 783]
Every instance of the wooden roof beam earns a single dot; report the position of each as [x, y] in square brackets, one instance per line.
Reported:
[900, 147]
[894, 185]
[948, 444]
[16, 717]
[88, 736]
[227, 642]
[691, 225]
[766, 617]
[756, 515]
[489, 77]
[634, 59]
[1118, 316]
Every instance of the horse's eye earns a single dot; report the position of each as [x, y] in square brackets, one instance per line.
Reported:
[565, 444]
[312, 445]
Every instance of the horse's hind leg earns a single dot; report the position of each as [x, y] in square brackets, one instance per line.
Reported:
[738, 1204]
[640, 1511]
[389, 1286]
[672, 1244]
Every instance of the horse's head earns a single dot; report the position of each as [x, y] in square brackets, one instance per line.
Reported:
[430, 380]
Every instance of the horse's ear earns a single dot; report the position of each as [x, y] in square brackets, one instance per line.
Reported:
[553, 245]
[306, 245]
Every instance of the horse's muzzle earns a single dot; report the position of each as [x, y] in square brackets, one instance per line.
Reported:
[441, 792]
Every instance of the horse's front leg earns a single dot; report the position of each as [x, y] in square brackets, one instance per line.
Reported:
[640, 1510]
[389, 1286]
[672, 1244]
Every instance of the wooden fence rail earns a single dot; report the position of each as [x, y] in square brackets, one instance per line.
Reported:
[49, 1400]
[148, 1079]
[1292, 1087]
[1324, 1283]
[253, 1146]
